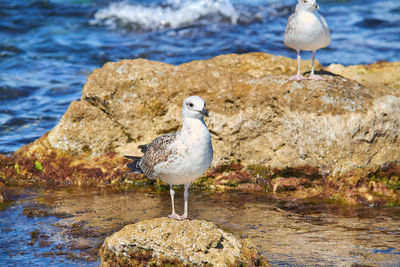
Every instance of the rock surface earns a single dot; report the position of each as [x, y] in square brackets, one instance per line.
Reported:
[381, 76]
[164, 241]
[257, 117]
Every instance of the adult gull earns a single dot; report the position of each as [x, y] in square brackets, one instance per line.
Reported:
[306, 30]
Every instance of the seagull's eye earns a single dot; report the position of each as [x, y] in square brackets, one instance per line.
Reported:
[190, 105]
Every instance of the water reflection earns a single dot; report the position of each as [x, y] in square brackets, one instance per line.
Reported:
[286, 233]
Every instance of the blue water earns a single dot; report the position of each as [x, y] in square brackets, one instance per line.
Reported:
[48, 48]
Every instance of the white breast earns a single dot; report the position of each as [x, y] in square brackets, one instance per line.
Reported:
[192, 155]
[309, 31]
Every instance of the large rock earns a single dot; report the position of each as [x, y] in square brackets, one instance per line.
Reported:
[167, 242]
[257, 116]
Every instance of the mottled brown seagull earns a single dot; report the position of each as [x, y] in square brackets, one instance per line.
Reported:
[181, 157]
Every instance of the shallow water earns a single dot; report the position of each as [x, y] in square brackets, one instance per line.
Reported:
[47, 51]
[48, 48]
[287, 233]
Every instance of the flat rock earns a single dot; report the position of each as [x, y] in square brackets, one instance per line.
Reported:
[164, 241]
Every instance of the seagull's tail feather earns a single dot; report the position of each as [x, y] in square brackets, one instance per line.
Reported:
[143, 148]
[134, 165]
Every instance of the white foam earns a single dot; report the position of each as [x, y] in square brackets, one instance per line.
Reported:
[174, 14]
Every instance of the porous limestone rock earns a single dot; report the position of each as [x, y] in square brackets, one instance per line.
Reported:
[167, 242]
[381, 76]
[256, 114]
[257, 117]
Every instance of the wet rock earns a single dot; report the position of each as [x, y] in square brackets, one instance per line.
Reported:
[167, 242]
[288, 184]
[1, 193]
[257, 117]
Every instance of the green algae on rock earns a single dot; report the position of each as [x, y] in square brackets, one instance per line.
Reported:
[167, 242]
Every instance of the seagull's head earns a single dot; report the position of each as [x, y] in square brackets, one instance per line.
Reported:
[307, 5]
[194, 107]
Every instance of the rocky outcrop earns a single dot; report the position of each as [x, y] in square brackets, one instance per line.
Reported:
[382, 76]
[167, 242]
[257, 115]
[257, 118]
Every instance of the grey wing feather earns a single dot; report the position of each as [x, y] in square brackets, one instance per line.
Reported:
[156, 152]
[325, 24]
[143, 148]
[289, 26]
[134, 165]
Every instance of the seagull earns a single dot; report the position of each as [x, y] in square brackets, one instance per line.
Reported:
[180, 157]
[306, 30]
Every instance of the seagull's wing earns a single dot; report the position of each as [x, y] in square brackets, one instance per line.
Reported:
[326, 28]
[325, 24]
[290, 25]
[157, 152]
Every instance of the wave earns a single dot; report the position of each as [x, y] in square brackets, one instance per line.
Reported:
[171, 14]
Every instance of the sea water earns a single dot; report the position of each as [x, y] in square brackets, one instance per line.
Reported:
[48, 48]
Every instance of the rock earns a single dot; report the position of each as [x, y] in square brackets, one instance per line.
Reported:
[1, 192]
[167, 242]
[381, 76]
[257, 117]
[287, 184]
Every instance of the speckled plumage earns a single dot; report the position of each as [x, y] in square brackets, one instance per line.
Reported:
[181, 157]
[156, 152]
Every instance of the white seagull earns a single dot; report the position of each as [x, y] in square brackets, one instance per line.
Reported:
[306, 30]
[181, 157]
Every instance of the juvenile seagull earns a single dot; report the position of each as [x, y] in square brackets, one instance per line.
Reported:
[306, 30]
[181, 157]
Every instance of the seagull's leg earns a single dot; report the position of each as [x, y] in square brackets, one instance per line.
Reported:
[173, 215]
[312, 75]
[186, 198]
[298, 77]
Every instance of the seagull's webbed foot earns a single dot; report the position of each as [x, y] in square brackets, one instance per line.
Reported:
[316, 78]
[179, 218]
[175, 216]
[185, 217]
[297, 78]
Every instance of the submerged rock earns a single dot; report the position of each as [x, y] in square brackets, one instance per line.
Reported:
[167, 242]
[257, 117]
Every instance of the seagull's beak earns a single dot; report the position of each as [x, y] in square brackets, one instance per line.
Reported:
[204, 111]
